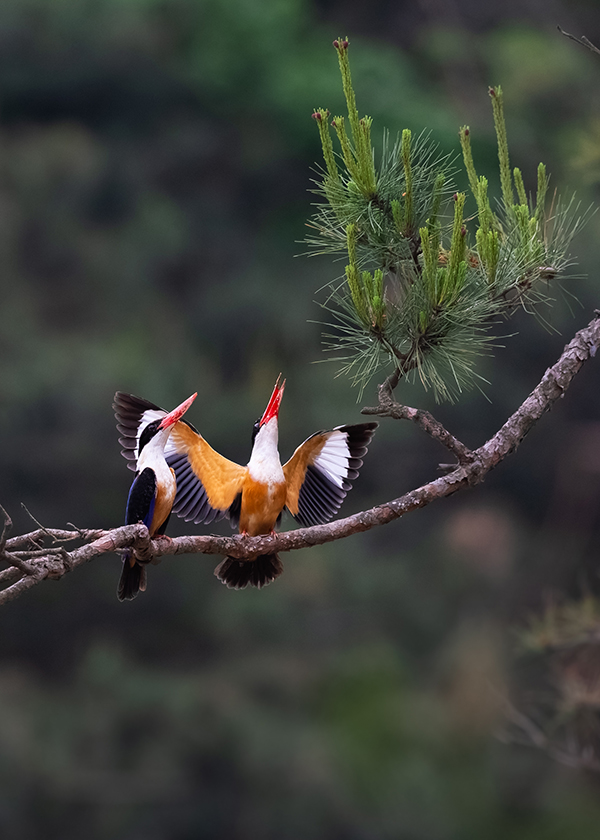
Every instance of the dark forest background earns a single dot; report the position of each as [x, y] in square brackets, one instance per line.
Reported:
[155, 162]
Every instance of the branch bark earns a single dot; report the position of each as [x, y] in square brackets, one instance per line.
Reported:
[471, 469]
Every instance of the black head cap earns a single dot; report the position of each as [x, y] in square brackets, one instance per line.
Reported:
[149, 431]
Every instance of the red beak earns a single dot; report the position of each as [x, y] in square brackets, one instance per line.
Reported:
[272, 409]
[177, 413]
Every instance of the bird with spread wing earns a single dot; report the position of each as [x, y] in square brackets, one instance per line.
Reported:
[311, 485]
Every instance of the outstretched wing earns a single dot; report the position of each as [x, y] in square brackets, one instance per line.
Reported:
[133, 414]
[207, 483]
[319, 472]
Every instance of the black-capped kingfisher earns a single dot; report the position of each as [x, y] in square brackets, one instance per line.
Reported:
[311, 485]
[153, 491]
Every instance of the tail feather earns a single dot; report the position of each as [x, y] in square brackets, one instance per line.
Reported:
[133, 579]
[237, 574]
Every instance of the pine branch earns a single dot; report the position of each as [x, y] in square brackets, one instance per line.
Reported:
[472, 469]
[417, 294]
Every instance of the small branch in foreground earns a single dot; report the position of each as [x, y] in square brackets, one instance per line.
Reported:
[472, 468]
[9, 558]
[57, 535]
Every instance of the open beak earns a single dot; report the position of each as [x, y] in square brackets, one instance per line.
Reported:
[272, 409]
[177, 413]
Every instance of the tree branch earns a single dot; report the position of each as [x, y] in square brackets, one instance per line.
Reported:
[388, 407]
[585, 42]
[472, 468]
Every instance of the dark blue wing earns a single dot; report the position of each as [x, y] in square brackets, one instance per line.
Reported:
[141, 499]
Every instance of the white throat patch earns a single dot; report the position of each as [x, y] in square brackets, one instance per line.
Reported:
[264, 464]
[153, 456]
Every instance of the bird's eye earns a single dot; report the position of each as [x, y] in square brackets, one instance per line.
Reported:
[255, 429]
[147, 434]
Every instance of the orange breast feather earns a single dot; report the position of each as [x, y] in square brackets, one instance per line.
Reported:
[261, 506]
[163, 505]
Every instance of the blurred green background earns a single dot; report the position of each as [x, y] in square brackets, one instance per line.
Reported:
[155, 162]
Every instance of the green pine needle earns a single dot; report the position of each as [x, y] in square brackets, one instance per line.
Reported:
[415, 295]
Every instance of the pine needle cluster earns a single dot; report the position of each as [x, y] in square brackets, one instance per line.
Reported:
[421, 286]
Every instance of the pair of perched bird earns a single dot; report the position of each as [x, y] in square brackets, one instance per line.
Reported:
[177, 470]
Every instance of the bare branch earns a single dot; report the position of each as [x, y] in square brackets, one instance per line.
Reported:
[472, 468]
[13, 560]
[9, 575]
[18, 563]
[5, 529]
[54, 566]
[390, 408]
[31, 516]
[57, 534]
[585, 42]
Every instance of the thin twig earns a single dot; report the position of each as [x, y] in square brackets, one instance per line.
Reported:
[428, 423]
[80, 531]
[19, 564]
[585, 42]
[5, 529]
[57, 535]
[52, 551]
[39, 524]
[9, 558]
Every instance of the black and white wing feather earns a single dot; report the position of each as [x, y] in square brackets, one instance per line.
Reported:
[320, 472]
[133, 414]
